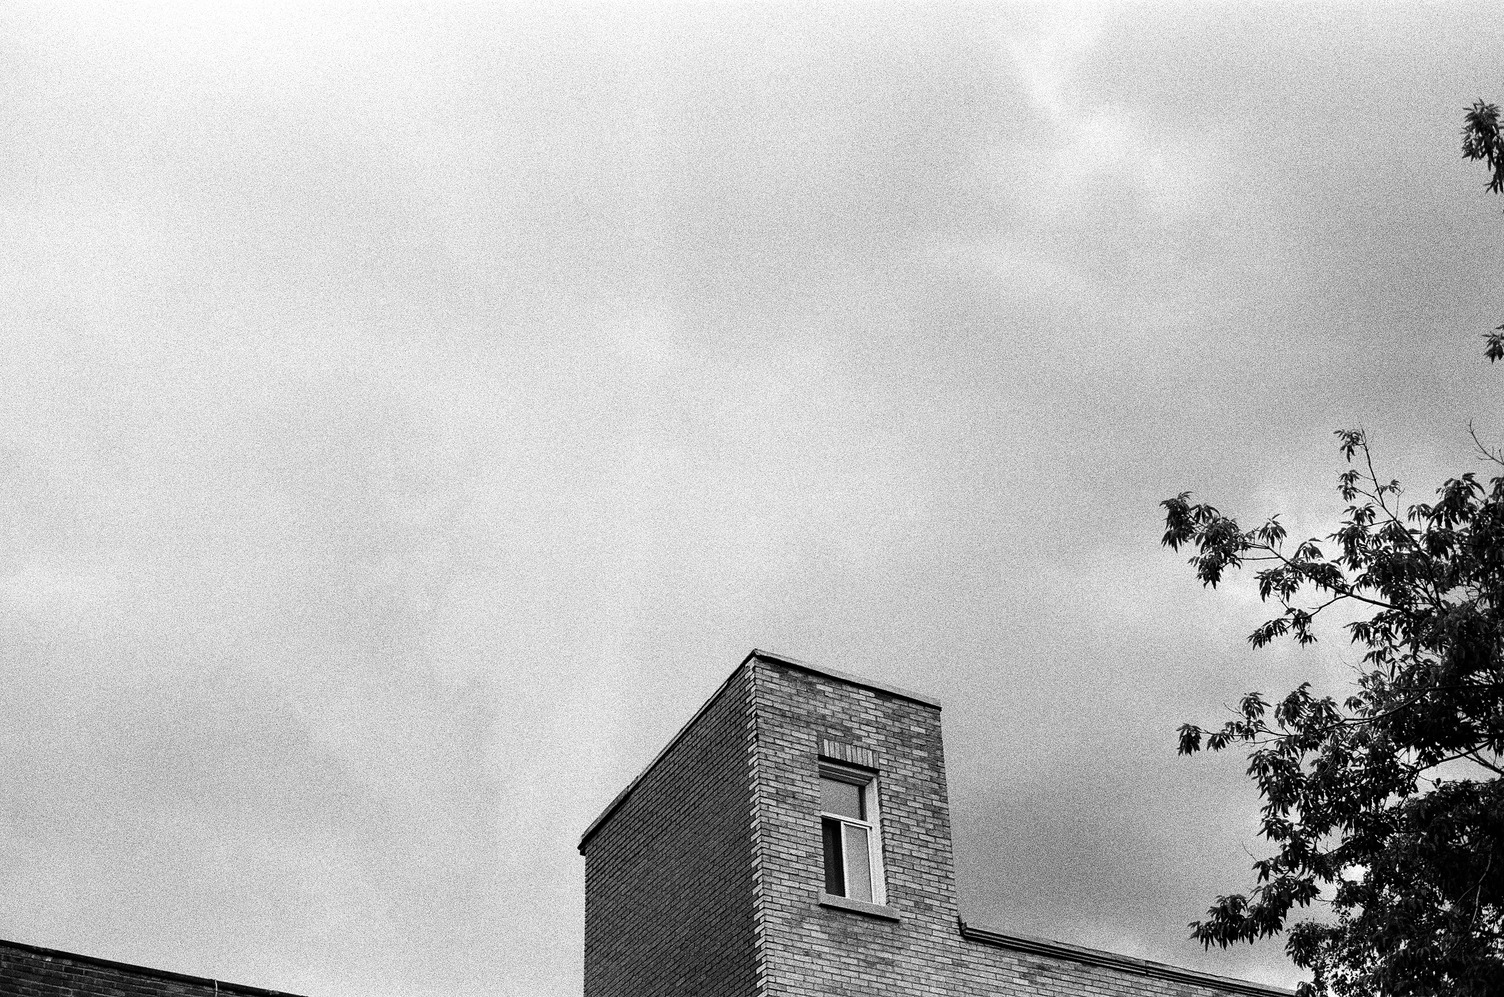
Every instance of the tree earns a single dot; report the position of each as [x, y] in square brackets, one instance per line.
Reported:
[1481, 140]
[1389, 805]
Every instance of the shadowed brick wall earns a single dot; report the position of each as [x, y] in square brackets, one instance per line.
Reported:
[28, 971]
[668, 868]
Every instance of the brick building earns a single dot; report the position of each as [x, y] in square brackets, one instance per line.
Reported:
[29, 971]
[792, 840]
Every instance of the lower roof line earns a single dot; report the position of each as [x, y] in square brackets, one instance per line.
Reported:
[220, 986]
[1123, 963]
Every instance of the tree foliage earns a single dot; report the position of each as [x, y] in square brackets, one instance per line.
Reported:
[1364, 800]
[1481, 140]
[1388, 805]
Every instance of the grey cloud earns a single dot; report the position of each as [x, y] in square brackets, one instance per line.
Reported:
[411, 417]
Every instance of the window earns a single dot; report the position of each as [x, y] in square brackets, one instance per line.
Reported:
[848, 823]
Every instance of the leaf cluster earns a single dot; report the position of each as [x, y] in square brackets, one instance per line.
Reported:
[1481, 140]
[1389, 804]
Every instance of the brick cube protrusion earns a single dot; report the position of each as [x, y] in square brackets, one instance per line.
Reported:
[704, 877]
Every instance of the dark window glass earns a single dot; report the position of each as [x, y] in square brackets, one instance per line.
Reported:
[835, 876]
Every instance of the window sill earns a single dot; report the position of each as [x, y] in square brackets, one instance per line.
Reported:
[858, 907]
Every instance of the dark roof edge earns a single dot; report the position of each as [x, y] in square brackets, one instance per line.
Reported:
[621, 797]
[850, 679]
[1126, 963]
[220, 985]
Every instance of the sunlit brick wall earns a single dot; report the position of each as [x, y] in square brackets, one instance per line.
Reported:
[810, 949]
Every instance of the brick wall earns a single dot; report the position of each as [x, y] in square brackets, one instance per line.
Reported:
[810, 949]
[28, 971]
[668, 868]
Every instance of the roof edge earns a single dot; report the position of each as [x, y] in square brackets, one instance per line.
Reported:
[848, 678]
[220, 985]
[621, 797]
[1113, 960]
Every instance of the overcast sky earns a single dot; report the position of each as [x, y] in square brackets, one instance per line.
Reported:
[410, 417]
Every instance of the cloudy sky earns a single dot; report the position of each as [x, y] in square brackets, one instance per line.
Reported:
[410, 416]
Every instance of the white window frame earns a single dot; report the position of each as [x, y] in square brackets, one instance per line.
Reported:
[867, 781]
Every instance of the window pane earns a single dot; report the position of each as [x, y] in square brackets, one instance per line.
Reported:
[858, 863]
[844, 798]
[835, 876]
